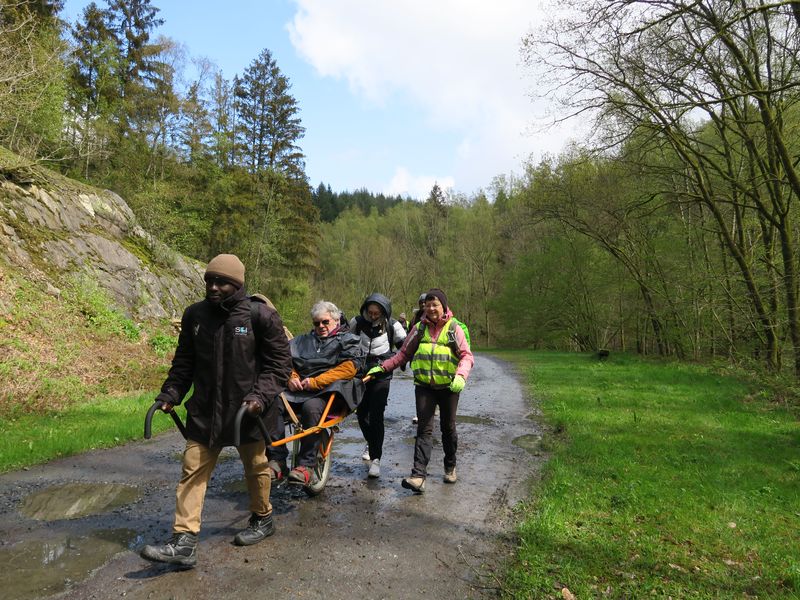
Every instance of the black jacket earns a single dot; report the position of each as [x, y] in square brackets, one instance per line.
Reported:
[228, 360]
[312, 355]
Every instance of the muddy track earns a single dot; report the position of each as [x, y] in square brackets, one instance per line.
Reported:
[361, 538]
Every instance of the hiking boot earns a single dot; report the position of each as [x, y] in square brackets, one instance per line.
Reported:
[258, 528]
[450, 475]
[303, 475]
[365, 455]
[375, 468]
[415, 483]
[277, 470]
[180, 550]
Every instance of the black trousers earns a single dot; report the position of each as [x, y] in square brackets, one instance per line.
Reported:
[309, 413]
[370, 415]
[427, 401]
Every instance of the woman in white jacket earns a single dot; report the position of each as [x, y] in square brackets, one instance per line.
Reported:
[380, 336]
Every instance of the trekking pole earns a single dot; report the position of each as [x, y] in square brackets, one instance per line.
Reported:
[237, 427]
[148, 421]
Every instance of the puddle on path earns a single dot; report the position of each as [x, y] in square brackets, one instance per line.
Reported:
[74, 500]
[530, 442]
[340, 439]
[33, 569]
[473, 420]
[391, 419]
[226, 455]
[236, 486]
[283, 496]
[412, 441]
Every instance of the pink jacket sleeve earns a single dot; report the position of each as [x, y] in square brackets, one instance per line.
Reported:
[465, 359]
[407, 350]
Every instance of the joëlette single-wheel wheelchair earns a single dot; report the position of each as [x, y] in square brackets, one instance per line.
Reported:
[336, 410]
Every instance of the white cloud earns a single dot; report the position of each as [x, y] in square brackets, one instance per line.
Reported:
[456, 59]
[419, 187]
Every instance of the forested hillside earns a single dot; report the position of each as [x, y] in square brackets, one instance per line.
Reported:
[672, 231]
[332, 204]
[211, 166]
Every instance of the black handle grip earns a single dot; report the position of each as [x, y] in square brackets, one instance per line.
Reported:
[237, 427]
[148, 420]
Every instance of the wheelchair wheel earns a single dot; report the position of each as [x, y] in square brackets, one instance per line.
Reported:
[294, 448]
[322, 468]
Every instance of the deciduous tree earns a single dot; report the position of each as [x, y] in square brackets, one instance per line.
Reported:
[675, 71]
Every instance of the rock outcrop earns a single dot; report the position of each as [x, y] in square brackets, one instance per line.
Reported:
[53, 229]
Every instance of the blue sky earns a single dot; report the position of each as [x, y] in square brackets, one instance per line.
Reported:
[394, 95]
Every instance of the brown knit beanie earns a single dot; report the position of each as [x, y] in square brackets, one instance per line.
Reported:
[227, 266]
[439, 295]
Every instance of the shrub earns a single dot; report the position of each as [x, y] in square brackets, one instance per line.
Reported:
[163, 344]
[93, 302]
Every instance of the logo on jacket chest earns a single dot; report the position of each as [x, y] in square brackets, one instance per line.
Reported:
[240, 330]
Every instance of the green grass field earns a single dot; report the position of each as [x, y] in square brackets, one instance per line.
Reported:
[105, 422]
[665, 480]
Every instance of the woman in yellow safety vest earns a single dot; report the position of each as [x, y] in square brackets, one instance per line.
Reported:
[441, 361]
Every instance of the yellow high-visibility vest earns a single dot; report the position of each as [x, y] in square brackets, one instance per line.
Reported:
[435, 361]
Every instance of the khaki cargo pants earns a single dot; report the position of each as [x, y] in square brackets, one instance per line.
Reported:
[198, 465]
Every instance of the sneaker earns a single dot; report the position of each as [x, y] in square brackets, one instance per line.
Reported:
[180, 550]
[415, 420]
[302, 474]
[450, 475]
[375, 468]
[276, 470]
[365, 455]
[258, 528]
[415, 483]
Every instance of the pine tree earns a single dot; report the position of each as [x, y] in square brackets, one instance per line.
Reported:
[94, 86]
[132, 21]
[140, 71]
[268, 126]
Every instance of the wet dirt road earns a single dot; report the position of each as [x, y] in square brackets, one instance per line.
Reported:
[72, 528]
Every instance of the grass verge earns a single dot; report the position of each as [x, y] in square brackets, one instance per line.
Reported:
[666, 480]
[102, 423]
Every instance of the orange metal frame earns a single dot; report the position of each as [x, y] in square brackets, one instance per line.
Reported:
[323, 424]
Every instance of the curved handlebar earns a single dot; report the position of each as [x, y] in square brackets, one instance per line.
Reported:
[237, 428]
[148, 420]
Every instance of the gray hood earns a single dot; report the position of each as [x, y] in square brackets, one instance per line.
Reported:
[381, 301]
